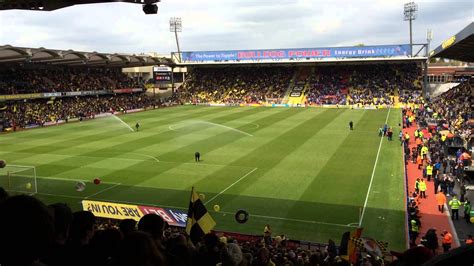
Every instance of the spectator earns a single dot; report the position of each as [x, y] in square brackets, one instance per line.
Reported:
[26, 231]
[138, 249]
[127, 225]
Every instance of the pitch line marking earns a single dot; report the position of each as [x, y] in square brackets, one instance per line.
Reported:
[137, 160]
[373, 173]
[146, 155]
[121, 121]
[231, 185]
[70, 179]
[170, 127]
[103, 190]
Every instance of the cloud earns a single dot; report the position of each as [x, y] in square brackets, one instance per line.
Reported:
[232, 24]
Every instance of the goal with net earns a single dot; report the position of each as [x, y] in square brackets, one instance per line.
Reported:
[19, 179]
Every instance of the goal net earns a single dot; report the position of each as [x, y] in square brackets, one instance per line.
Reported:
[19, 179]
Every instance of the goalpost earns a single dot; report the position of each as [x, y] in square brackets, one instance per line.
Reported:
[19, 179]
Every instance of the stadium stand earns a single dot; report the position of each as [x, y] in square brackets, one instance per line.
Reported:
[41, 111]
[236, 84]
[44, 95]
[368, 84]
[18, 80]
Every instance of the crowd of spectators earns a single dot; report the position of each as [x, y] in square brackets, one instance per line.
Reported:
[443, 125]
[236, 84]
[37, 112]
[32, 233]
[19, 80]
[346, 84]
[363, 84]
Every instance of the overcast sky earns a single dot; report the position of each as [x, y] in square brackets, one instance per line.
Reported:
[232, 24]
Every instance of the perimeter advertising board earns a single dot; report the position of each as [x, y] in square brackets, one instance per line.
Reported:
[315, 53]
[122, 211]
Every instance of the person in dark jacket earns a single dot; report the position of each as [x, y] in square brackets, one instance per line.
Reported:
[432, 240]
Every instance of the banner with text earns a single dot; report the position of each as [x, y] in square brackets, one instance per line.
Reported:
[122, 211]
[329, 52]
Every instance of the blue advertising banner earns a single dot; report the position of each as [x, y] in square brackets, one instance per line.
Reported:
[331, 52]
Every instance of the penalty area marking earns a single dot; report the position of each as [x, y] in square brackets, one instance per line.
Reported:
[231, 185]
[373, 173]
[70, 179]
[125, 124]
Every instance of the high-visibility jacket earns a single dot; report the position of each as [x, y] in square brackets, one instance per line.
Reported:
[417, 184]
[420, 135]
[441, 198]
[418, 141]
[422, 186]
[443, 138]
[467, 207]
[455, 204]
[407, 136]
[448, 238]
[418, 160]
[416, 133]
[414, 226]
[429, 169]
[424, 150]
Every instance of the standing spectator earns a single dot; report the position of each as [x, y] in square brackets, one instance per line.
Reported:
[467, 211]
[436, 183]
[447, 240]
[417, 185]
[432, 240]
[267, 235]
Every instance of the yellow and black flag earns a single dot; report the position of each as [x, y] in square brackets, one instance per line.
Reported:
[199, 221]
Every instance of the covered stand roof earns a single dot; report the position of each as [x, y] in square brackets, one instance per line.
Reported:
[48, 5]
[10, 55]
[458, 47]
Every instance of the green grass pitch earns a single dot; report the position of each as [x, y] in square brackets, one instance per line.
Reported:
[301, 170]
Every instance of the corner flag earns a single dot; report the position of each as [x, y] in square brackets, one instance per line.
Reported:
[199, 221]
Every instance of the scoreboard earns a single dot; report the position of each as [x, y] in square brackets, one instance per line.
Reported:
[162, 74]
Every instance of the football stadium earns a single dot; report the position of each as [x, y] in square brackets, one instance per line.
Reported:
[327, 155]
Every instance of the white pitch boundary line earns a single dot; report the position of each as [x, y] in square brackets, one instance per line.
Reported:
[103, 190]
[121, 121]
[231, 185]
[373, 173]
